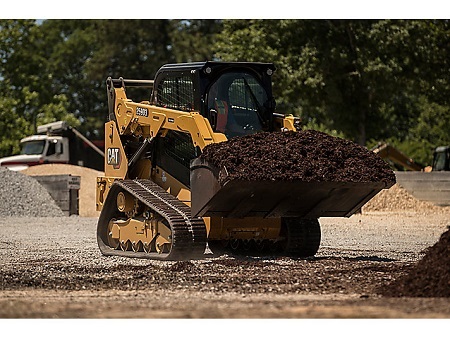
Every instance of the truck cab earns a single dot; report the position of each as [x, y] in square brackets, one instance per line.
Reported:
[38, 149]
[441, 158]
[56, 143]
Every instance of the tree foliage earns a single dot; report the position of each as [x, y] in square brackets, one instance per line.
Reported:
[57, 69]
[371, 80]
[365, 80]
[193, 40]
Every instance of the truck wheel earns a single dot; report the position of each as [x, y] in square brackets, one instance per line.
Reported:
[301, 237]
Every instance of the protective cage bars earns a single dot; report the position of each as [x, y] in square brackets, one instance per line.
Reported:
[176, 93]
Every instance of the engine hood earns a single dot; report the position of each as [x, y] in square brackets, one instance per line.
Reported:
[21, 161]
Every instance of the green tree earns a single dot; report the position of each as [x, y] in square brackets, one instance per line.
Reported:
[193, 40]
[57, 69]
[13, 127]
[25, 87]
[83, 53]
[364, 78]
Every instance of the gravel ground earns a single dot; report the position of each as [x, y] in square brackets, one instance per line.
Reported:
[54, 269]
[51, 266]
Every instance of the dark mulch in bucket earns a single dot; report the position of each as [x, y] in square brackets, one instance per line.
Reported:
[309, 156]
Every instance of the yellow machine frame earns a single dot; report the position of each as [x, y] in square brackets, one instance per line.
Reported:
[148, 121]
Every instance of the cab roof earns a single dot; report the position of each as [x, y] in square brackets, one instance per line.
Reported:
[215, 64]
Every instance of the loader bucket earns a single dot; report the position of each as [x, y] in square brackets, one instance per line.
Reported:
[274, 198]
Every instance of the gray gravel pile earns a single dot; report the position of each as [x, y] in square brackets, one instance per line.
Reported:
[21, 195]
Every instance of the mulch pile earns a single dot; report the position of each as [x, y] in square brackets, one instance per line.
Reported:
[430, 277]
[309, 156]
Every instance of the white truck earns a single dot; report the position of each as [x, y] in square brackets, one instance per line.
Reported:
[56, 143]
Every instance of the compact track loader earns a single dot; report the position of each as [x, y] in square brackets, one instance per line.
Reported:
[159, 200]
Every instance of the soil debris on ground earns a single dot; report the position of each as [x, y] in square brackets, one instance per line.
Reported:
[430, 277]
[310, 156]
[55, 269]
[68, 258]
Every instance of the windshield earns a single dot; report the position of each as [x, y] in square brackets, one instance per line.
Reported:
[439, 161]
[33, 147]
[238, 99]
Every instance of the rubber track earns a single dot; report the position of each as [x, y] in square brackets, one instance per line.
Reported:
[303, 237]
[188, 234]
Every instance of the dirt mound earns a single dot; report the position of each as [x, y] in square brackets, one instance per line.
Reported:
[21, 195]
[430, 277]
[305, 155]
[398, 199]
[88, 183]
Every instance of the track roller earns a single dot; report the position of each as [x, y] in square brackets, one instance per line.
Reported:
[140, 219]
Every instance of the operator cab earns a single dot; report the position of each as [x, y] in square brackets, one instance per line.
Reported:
[236, 97]
[441, 158]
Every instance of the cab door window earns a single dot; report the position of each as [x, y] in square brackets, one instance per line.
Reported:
[51, 150]
[237, 100]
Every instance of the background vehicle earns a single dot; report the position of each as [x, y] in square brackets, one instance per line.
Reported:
[56, 143]
[395, 157]
[158, 200]
[441, 158]
[430, 183]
